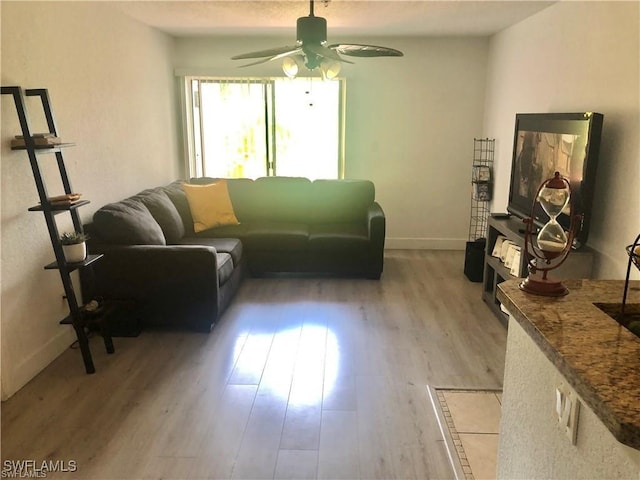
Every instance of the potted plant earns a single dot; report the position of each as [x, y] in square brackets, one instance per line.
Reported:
[74, 246]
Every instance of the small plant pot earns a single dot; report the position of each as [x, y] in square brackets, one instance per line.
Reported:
[75, 253]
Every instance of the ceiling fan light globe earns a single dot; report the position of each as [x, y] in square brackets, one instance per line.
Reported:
[330, 69]
[290, 67]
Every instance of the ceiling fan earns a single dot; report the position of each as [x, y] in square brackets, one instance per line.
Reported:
[312, 51]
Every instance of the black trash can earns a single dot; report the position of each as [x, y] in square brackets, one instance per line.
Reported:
[474, 260]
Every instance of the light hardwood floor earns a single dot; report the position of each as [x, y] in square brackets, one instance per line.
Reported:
[301, 378]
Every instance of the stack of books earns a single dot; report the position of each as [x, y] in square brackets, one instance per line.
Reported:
[39, 139]
[64, 200]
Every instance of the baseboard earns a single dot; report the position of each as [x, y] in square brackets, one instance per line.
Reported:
[37, 361]
[399, 243]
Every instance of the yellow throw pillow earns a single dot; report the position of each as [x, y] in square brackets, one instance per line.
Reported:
[210, 205]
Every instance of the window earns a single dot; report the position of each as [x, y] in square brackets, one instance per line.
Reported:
[265, 127]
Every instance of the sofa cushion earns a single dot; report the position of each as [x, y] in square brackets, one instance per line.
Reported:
[230, 231]
[232, 246]
[127, 222]
[164, 212]
[176, 194]
[210, 205]
[276, 236]
[225, 267]
[338, 237]
[240, 191]
[277, 199]
[340, 201]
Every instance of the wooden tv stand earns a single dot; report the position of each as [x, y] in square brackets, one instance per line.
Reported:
[579, 263]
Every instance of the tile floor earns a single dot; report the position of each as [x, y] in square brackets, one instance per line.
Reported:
[470, 423]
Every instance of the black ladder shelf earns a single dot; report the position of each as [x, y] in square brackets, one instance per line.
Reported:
[76, 316]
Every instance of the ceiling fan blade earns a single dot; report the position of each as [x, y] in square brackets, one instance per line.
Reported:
[263, 60]
[357, 50]
[275, 57]
[324, 52]
[271, 52]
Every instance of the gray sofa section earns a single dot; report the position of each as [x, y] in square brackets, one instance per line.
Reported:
[287, 226]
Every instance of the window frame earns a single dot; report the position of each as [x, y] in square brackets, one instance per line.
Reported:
[194, 168]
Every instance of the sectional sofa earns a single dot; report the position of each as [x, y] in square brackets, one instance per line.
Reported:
[171, 251]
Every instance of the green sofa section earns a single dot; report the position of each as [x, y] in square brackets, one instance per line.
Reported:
[293, 225]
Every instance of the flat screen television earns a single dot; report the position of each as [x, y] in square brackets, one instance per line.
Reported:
[545, 143]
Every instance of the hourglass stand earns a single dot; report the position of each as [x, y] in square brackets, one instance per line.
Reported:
[634, 258]
[553, 244]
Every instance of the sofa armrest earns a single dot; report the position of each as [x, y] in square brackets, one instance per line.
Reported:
[140, 268]
[165, 281]
[376, 223]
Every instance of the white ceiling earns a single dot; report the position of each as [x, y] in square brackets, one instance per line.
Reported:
[344, 17]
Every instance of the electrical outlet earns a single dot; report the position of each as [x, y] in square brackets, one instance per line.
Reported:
[567, 411]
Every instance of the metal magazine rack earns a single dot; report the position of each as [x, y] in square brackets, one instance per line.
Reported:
[481, 192]
[481, 186]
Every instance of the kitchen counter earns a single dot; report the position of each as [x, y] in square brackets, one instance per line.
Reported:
[599, 358]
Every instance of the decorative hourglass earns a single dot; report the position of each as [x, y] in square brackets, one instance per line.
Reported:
[553, 244]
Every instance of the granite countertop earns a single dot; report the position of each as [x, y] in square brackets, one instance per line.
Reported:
[599, 358]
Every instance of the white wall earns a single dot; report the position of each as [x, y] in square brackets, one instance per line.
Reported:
[410, 125]
[113, 94]
[575, 57]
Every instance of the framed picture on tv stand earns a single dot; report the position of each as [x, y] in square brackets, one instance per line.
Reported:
[544, 143]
